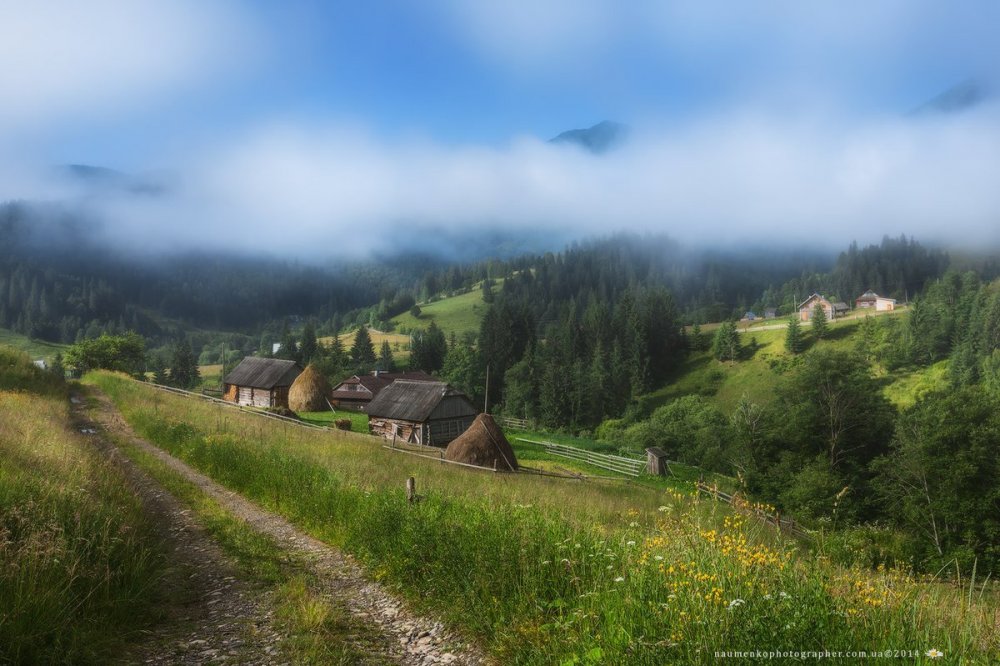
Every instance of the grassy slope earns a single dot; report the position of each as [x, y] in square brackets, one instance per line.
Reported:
[34, 348]
[398, 342]
[79, 562]
[760, 374]
[458, 314]
[556, 571]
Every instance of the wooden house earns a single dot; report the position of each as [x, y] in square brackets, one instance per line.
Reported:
[260, 382]
[770, 313]
[355, 393]
[420, 412]
[872, 301]
[831, 309]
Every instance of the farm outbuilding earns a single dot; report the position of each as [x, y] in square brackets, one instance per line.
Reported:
[260, 382]
[872, 301]
[427, 413]
[483, 445]
[831, 309]
[355, 393]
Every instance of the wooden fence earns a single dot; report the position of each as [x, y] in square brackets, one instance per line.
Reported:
[248, 410]
[627, 466]
[514, 424]
[737, 502]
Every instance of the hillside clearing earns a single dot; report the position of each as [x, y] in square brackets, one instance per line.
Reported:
[34, 348]
[455, 314]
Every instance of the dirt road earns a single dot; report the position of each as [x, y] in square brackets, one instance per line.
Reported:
[231, 622]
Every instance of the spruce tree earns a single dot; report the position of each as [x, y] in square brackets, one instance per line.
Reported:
[793, 336]
[726, 345]
[820, 327]
[385, 360]
[184, 366]
[308, 347]
[363, 352]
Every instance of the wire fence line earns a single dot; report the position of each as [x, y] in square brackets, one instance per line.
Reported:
[629, 466]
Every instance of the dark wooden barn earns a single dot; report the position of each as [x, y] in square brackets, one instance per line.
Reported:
[260, 382]
[355, 393]
[428, 413]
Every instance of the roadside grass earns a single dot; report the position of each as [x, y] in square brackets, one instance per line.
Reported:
[455, 314]
[359, 420]
[80, 565]
[34, 348]
[547, 571]
[318, 632]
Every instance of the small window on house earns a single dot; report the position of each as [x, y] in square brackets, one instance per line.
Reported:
[399, 431]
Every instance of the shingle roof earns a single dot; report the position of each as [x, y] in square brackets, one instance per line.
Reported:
[263, 373]
[408, 400]
[376, 384]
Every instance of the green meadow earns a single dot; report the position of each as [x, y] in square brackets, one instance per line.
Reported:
[550, 571]
[459, 314]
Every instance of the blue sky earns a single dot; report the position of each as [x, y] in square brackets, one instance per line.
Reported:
[778, 116]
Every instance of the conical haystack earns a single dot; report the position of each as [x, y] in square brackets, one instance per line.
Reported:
[483, 444]
[309, 391]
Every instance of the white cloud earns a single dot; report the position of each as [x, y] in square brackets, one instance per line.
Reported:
[338, 191]
[65, 61]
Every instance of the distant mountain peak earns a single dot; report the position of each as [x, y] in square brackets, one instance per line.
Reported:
[599, 139]
[958, 98]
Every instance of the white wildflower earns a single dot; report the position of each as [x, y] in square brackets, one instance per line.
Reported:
[620, 579]
[934, 653]
[736, 603]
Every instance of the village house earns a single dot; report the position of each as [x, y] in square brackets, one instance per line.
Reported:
[870, 300]
[420, 412]
[260, 382]
[832, 310]
[355, 393]
[770, 313]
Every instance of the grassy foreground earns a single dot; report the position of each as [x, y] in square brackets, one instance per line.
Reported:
[544, 571]
[79, 564]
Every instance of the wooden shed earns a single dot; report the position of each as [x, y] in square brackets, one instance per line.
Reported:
[428, 413]
[656, 461]
[260, 382]
[830, 309]
[356, 392]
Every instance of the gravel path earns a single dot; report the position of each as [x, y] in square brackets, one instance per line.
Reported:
[217, 618]
[408, 638]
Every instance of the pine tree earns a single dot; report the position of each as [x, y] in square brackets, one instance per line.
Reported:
[793, 336]
[309, 346]
[363, 352]
[696, 340]
[184, 366]
[726, 345]
[819, 324]
[385, 361]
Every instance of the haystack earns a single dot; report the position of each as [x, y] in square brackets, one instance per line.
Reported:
[483, 444]
[309, 391]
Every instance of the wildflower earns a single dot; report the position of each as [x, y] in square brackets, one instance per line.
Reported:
[767, 596]
[620, 579]
[736, 603]
[546, 561]
[633, 524]
[784, 595]
[609, 567]
[630, 543]
[664, 508]
[934, 653]
[658, 558]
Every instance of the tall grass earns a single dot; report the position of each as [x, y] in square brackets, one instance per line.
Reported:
[546, 571]
[78, 563]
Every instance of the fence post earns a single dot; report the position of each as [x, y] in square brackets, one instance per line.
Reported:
[411, 490]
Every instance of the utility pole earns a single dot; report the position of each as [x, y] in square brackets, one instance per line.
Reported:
[486, 402]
